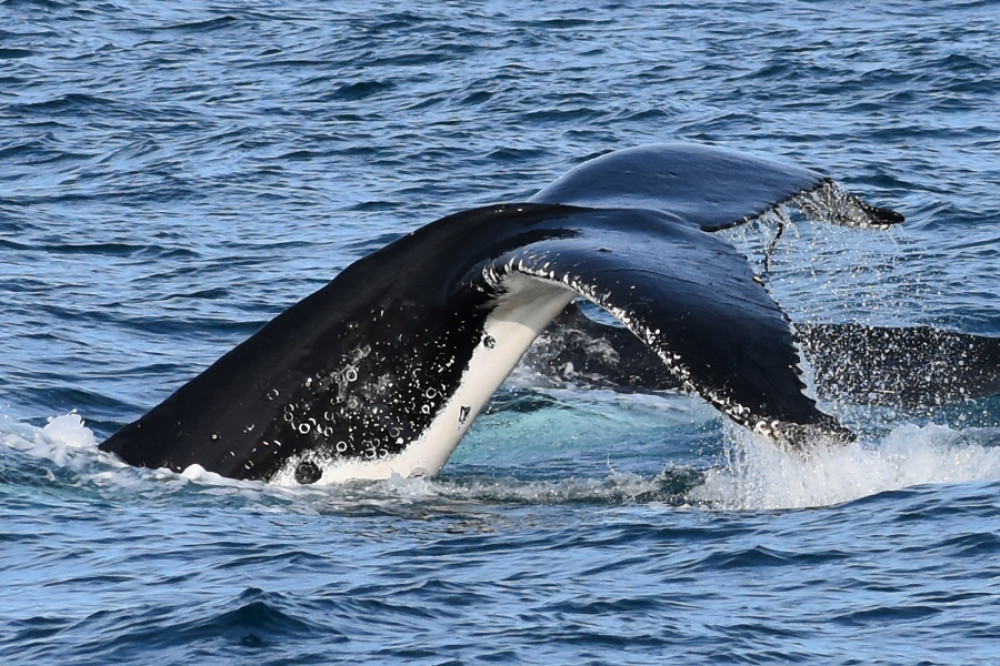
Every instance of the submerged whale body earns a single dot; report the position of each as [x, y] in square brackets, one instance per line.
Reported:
[908, 367]
[384, 369]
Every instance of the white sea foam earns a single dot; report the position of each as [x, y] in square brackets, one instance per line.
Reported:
[61, 440]
[756, 475]
[753, 473]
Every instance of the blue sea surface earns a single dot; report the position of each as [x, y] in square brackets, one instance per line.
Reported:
[173, 175]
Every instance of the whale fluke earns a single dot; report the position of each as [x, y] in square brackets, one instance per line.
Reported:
[712, 188]
[383, 370]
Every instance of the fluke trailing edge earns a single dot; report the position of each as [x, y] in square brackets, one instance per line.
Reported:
[384, 369]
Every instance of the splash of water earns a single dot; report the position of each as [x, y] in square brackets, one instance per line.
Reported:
[61, 440]
[756, 475]
[753, 475]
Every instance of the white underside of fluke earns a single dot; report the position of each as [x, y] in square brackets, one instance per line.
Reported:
[522, 313]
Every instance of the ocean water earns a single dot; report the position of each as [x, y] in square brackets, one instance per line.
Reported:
[173, 175]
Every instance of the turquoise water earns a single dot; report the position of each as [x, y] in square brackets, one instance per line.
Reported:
[174, 176]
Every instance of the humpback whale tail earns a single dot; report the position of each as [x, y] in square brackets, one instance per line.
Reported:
[383, 370]
[712, 188]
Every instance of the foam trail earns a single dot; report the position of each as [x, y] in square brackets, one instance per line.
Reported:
[756, 475]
